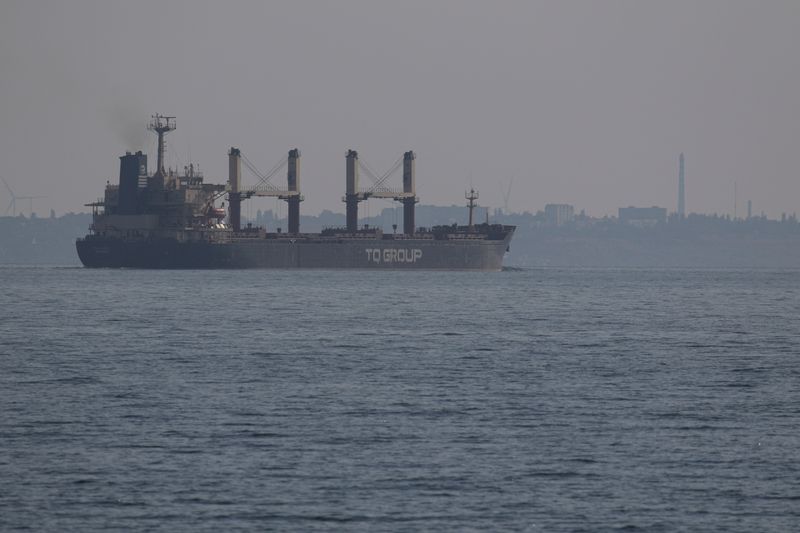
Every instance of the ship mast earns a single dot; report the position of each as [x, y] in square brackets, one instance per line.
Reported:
[161, 125]
[472, 195]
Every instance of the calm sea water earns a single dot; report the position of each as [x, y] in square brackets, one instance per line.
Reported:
[530, 400]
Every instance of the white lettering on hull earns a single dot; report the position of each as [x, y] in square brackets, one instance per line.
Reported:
[393, 255]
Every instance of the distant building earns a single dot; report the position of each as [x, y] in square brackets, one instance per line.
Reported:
[643, 216]
[558, 214]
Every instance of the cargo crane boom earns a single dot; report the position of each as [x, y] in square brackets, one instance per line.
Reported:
[264, 188]
[407, 196]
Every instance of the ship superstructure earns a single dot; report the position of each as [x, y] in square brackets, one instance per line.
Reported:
[171, 220]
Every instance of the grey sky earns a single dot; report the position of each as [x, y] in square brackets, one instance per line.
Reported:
[587, 103]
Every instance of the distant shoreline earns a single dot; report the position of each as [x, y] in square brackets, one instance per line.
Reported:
[699, 242]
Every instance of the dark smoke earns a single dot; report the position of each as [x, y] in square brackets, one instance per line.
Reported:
[128, 123]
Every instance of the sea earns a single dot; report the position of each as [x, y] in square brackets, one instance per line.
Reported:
[532, 399]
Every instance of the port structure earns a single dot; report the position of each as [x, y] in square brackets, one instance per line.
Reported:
[406, 196]
[291, 194]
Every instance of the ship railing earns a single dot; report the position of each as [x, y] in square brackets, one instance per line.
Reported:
[466, 236]
[403, 237]
[383, 190]
[346, 235]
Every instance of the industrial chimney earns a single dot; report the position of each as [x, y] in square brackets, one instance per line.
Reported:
[681, 191]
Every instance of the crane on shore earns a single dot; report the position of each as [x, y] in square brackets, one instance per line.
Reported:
[12, 205]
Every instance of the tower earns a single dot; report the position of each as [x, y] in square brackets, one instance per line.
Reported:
[234, 188]
[681, 190]
[472, 195]
[409, 187]
[161, 125]
[293, 183]
[351, 193]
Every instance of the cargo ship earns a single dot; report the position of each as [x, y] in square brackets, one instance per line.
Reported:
[169, 219]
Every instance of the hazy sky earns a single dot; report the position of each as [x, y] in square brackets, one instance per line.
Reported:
[580, 102]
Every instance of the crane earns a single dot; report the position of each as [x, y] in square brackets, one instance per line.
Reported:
[506, 195]
[291, 194]
[353, 195]
[12, 205]
[264, 187]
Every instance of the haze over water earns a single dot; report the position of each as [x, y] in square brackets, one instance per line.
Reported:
[583, 102]
[530, 400]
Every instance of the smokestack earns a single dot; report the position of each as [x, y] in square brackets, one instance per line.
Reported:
[749, 209]
[409, 186]
[131, 167]
[293, 180]
[234, 188]
[681, 191]
[351, 194]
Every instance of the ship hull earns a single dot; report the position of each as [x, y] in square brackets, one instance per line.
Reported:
[378, 254]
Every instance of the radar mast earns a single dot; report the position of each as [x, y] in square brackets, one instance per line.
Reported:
[161, 125]
[472, 195]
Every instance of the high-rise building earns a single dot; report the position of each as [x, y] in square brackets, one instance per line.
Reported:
[558, 214]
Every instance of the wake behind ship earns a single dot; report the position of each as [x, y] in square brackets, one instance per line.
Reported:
[171, 220]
